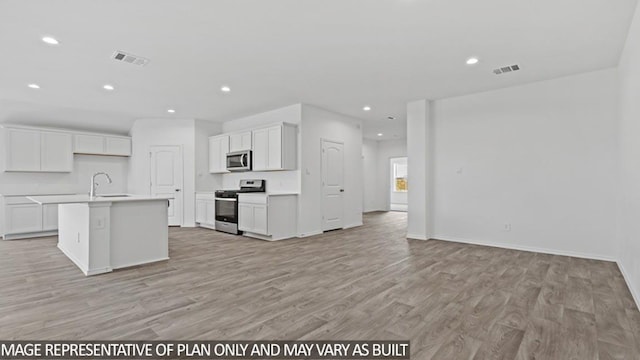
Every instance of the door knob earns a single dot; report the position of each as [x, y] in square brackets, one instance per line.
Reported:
[341, 190]
[177, 190]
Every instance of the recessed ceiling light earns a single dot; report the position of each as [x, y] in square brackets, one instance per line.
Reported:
[472, 61]
[171, 111]
[108, 87]
[366, 108]
[34, 86]
[51, 41]
[380, 134]
[225, 89]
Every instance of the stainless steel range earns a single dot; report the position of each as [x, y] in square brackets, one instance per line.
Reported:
[227, 204]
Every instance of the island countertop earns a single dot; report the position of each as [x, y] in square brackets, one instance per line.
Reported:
[84, 198]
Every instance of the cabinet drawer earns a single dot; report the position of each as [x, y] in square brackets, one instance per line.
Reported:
[259, 199]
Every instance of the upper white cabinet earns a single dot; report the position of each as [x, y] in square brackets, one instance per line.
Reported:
[118, 146]
[88, 144]
[240, 141]
[28, 150]
[275, 148]
[56, 151]
[93, 144]
[218, 149]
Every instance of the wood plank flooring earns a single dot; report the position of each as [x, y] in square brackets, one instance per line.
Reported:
[452, 301]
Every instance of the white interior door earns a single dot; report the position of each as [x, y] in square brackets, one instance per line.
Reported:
[332, 185]
[167, 177]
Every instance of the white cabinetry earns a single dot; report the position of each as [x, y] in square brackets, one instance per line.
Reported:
[95, 144]
[205, 210]
[88, 144]
[240, 141]
[50, 217]
[24, 218]
[267, 217]
[28, 150]
[275, 148]
[118, 146]
[218, 149]
[56, 152]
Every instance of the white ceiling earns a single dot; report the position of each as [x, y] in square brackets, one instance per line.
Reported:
[336, 54]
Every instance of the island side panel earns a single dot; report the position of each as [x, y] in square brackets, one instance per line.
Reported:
[139, 232]
[73, 233]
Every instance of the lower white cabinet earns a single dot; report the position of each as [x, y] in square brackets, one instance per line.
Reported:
[268, 217]
[23, 218]
[205, 210]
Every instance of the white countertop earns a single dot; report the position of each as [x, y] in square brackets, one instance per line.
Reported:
[84, 198]
[274, 193]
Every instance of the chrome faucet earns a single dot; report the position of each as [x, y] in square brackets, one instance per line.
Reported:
[92, 192]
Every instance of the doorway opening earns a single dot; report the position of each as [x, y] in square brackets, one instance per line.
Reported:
[398, 191]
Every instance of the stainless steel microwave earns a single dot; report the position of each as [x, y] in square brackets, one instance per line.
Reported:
[239, 161]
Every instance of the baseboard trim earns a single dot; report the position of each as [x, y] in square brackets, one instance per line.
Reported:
[85, 271]
[625, 275]
[527, 248]
[417, 237]
[312, 233]
[352, 225]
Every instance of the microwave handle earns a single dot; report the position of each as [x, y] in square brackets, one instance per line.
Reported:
[242, 160]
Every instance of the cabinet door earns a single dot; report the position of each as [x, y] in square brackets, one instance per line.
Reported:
[210, 207]
[118, 146]
[201, 211]
[240, 141]
[260, 219]
[49, 217]
[218, 149]
[23, 218]
[275, 148]
[56, 152]
[245, 217]
[22, 150]
[88, 144]
[260, 149]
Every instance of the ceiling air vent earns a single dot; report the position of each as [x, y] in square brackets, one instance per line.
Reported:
[128, 58]
[506, 69]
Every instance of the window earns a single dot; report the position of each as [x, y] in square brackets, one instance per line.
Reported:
[400, 177]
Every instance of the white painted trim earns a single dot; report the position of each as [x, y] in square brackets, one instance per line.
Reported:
[206, 226]
[417, 237]
[527, 248]
[352, 225]
[142, 262]
[634, 292]
[9, 237]
[98, 271]
[312, 233]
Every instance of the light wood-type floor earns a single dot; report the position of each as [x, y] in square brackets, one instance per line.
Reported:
[453, 301]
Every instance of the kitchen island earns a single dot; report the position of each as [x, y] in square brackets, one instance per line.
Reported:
[103, 233]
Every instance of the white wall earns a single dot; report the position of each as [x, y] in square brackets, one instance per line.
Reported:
[277, 181]
[540, 157]
[148, 132]
[371, 196]
[320, 124]
[629, 158]
[205, 181]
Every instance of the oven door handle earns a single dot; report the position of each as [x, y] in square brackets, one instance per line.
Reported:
[225, 199]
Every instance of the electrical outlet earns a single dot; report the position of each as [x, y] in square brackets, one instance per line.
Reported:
[507, 227]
